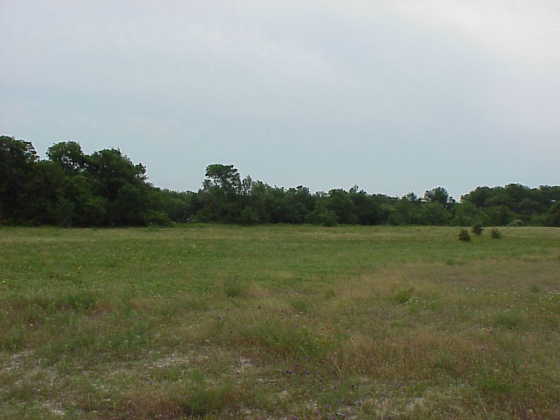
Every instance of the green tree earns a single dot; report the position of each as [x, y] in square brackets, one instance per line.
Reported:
[17, 164]
[553, 216]
[121, 185]
[437, 195]
[224, 178]
[68, 155]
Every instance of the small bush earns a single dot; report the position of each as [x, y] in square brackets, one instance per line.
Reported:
[300, 305]
[496, 234]
[535, 289]
[202, 401]
[248, 217]
[330, 294]
[464, 235]
[77, 301]
[287, 339]
[516, 222]
[477, 229]
[157, 218]
[234, 288]
[328, 219]
[323, 217]
[508, 320]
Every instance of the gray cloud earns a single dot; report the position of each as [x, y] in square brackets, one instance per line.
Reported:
[392, 96]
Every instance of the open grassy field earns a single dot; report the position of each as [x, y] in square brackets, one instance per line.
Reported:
[279, 322]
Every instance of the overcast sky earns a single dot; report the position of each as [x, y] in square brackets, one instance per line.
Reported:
[394, 96]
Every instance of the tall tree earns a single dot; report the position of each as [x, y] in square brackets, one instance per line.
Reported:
[17, 163]
[68, 155]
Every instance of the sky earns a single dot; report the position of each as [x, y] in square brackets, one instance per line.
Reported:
[392, 96]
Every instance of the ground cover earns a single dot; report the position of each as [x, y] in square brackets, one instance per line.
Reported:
[279, 322]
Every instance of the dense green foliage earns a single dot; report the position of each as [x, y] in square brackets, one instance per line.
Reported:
[71, 188]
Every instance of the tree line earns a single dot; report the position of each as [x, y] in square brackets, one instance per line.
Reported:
[105, 188]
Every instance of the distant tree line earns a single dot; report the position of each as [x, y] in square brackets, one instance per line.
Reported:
[71, 188]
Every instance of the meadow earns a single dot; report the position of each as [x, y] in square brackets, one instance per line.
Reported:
[279, 322]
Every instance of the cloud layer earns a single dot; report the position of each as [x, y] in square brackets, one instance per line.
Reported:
[392, 96]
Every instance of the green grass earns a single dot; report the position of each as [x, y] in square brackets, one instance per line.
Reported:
[214, 321]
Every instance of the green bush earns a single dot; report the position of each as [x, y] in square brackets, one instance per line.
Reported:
[496, 234]
[157, 218]
[477, 229]
[234, 288]
[464, 235]
[249, 216]
[287, 339]
[326, 218]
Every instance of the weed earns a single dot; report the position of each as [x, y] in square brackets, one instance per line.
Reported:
[491, 385]
[403, 296]
[287, 340]
[464, 235]
[509, 320]
[330, 294]
[77, 301]
[300, 305]
[234, 288]
[12, 340]
[201, 400]
[535, 288]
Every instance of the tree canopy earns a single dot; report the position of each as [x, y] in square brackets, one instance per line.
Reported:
[105, 188]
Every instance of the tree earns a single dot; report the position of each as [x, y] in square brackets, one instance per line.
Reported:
[44, 195]
[340, 203]
[438, 195]
[17, 163]
[553, 216]
[223, 177]
[467, 214]
[121, 184]
[68, 155]
[221, 194]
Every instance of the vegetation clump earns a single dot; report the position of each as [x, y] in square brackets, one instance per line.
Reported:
[477, 229]
[71, 188]
[495, 234]
[464, 235]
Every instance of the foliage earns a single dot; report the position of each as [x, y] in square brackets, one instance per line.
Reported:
[553, 215]
[105, 188]
[495, 234]
[464, 235]
[477, 229]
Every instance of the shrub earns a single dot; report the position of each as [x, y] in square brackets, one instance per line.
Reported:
[157, 218]
[234, 287]
[323, 217]
[496, 234]
[477, 229]
[508, 320]
[327, 218]
[516, 222]
[248, 216]
[287, 339]
[464, 235]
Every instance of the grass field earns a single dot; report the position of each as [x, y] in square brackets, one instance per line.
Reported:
[279, 322]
